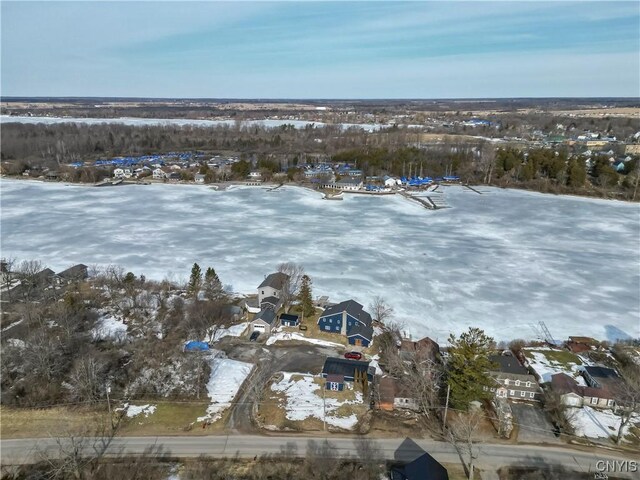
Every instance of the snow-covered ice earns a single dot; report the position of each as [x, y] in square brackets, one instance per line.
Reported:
[503, 261]
[224, 382]
[592, 423]
[283, 336]
[304, 399]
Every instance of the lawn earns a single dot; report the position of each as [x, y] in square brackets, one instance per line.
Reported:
[547, 362]
[169, 418]
[563, 357]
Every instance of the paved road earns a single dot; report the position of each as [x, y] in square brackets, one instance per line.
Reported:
[491, 457]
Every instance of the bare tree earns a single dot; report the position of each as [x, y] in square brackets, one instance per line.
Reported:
[7, 275]
[86, 382]
[462, 435]
[380, 309]
[291, 287]
[28, 272]
[628, 397]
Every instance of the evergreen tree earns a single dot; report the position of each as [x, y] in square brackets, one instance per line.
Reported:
[195, 281]
[306, 301]
[212, 285]
[577, 173]
[468, 366]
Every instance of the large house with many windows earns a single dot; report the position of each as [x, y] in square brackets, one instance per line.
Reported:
[348, 318]
[512, 380]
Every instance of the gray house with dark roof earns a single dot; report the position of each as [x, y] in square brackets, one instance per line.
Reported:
[272, 286]
[264, 321]
[339, 370]
[348, 318]
[76, 273]
[513, 381]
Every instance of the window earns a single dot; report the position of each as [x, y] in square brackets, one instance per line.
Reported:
[484, 388]
[337, 328]
[512, 393]
[594, 400]
[522, 393]
[517, 383]
[609, 403]
[331, 320]
[528, 384]
[506, 382]
[532, 395]
[493, 389]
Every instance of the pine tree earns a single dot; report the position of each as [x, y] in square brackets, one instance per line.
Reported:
[468, 366]
[212, 285]
[306, 300]
[195, 281]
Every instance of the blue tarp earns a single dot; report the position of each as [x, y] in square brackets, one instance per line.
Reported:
[196, 346]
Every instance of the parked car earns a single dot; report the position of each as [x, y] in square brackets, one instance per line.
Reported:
[353, 355]
[254, 336]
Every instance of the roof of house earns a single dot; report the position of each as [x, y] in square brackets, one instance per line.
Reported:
[349, 181]
[267, 315]
[408, 345]
[289, 317]
[365, 331]
[343, 366]
[425, 466]
[563, 383]
[352, 308]
[79, 271]
[601, 372]
[508, 364]
[587, 340]
[334, 377]
[275, 280]
[271, 300]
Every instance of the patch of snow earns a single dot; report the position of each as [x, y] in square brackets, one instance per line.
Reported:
[295, 336]
[135, 410]
[224, 382]
[373, 362]
[109, 327]
[304, 399]
[16, 342]
[592, 423]
[18, 322]
[546, 367]
[233, 331]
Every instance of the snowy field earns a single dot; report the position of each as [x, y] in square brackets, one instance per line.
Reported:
[282, 336]
[503, 261]
[592, 423]
[304, 399]
[542, 362]
[224, 382]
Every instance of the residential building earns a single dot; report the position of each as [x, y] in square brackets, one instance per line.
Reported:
[513, 381]
[349, 319]
[341, 370]
[264, 322]
[272, 286]
[575, 395]
[199, 178]
[394, 395]
[76, 273]
[289, 320]
[159, 174]
[349, 184]
[424, 348]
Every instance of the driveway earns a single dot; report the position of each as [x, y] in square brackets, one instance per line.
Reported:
[533, 424]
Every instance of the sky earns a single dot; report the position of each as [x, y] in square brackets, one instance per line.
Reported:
[306, 49]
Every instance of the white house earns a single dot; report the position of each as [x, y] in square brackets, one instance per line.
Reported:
[198, 178]
[118, 173]
[255, 175]
[159, 174]
[127, 173]
[390, 182]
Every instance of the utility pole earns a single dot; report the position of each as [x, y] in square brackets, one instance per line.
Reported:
[324, 406]
[108, 390]
[446, 407]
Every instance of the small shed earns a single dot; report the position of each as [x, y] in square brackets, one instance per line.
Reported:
[335, 382]
[289, 320]
[195, 346]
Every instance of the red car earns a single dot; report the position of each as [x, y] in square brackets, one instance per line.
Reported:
[353, 355]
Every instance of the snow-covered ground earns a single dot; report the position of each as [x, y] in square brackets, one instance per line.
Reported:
[592, 423]
[109, 327]
[304, 399]
[224, 382]
[283, 336]
[232, 331]
[503, 260]
[135, 410]
[546, 366]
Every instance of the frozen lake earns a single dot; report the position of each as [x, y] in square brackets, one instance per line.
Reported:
[503, 261]
[178, 122]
